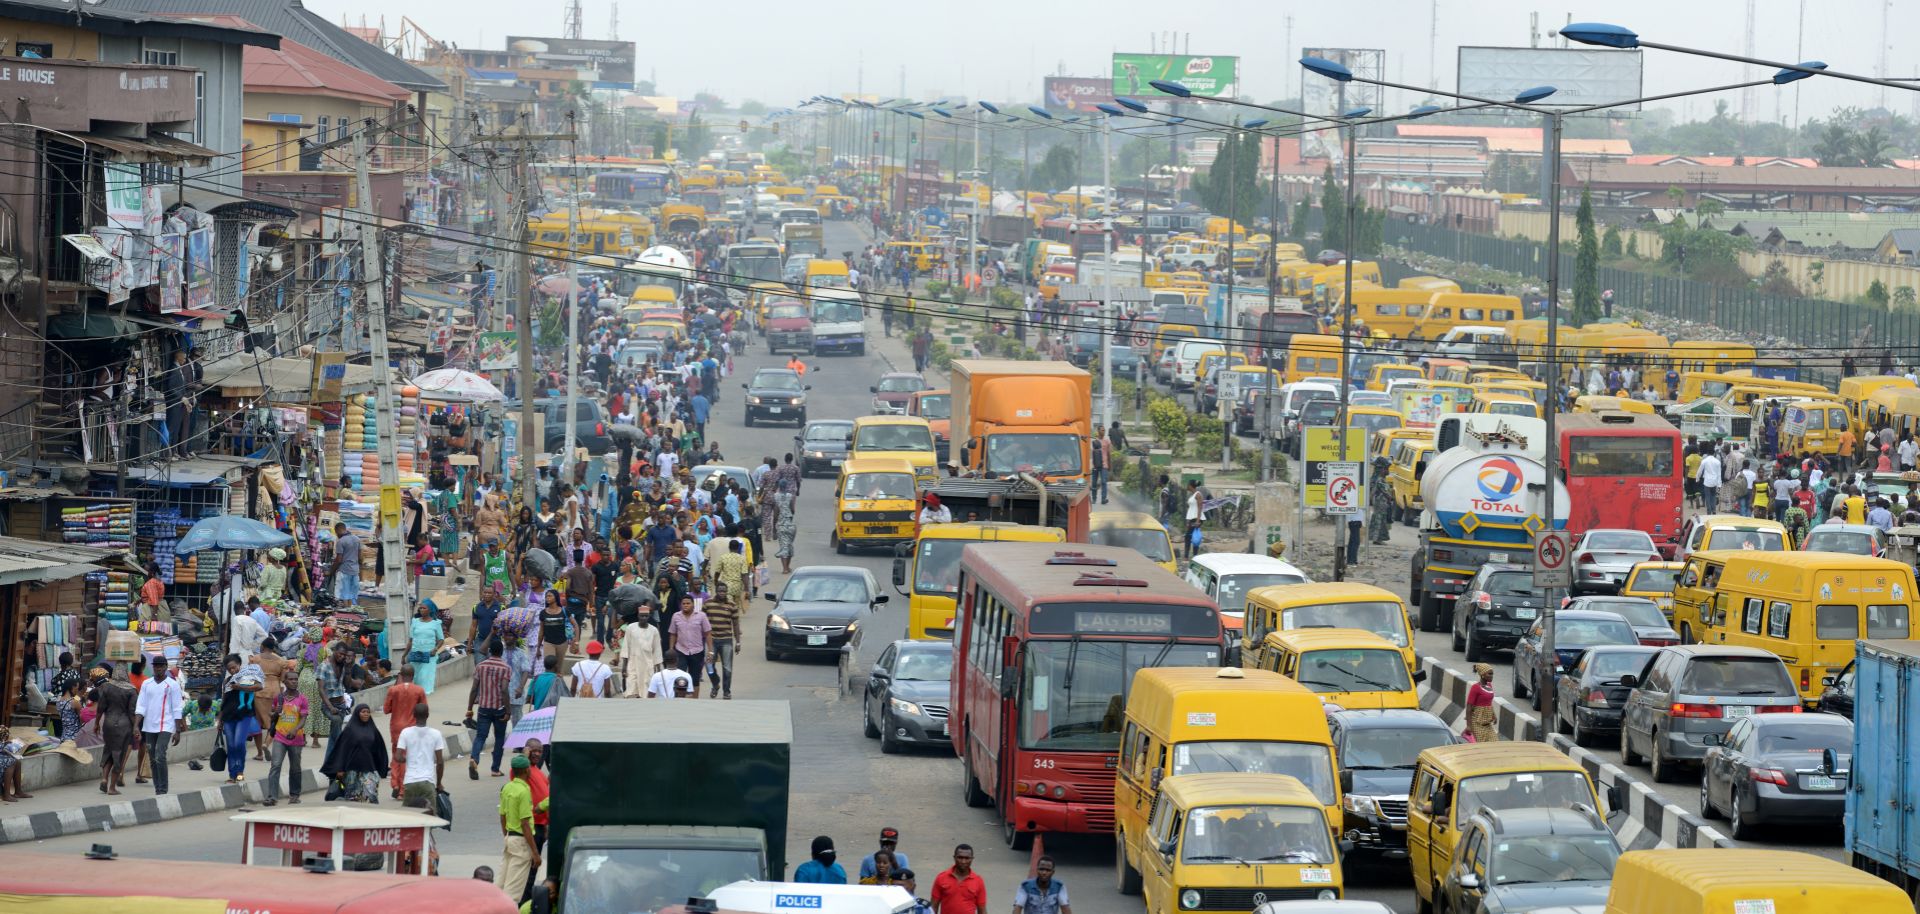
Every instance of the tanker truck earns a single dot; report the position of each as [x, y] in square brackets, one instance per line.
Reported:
[1483, 502]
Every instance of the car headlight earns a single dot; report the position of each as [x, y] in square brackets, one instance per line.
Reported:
[903, 707]
[1190, 899]
[852, 627]
[1361, 806]
[846, 515]
[753, 400]
[777, 622]
[1327, 895]
[817, 455]
[880, 405]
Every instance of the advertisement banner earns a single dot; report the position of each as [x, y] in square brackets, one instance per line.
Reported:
[610, 61]
[1210, 77]
[1320, 452]
[499, 350]
[1076, 94]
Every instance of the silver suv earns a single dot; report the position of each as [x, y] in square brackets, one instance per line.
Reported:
[1690, 695]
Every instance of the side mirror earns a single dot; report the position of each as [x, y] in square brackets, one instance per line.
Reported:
[1166, 848]
[1615, 802]
[1829, 680]
[743, 385]
[1470, 882]
[899, 572]
[1346, 780]
[1629, 681]
[1153, 780]
[874, 389]
[1009, 677]
[1829, 762]
[806, 387]
[772, 598]
[1714, 739]
[880, 599]
[1419, 675]
[880, 675]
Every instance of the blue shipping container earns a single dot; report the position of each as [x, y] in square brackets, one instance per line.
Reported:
[1883, 823]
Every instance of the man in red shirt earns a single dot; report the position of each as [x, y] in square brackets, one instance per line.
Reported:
[959, 890]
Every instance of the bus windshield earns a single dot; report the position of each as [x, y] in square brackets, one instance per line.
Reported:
[1387, 620]
[894, 438]
[1234, 587]
[1354, 670]
[1153, 543]
[1258, 834]
[1523, 790]
[1620, 455]
[1310, 762]
[936, 570]
[1076, 690]
[879, 485]
[937, 406]
[1054, 455]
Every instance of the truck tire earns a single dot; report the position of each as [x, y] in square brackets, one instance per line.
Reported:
[1126, 877]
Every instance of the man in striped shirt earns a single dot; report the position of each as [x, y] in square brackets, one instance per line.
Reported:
[724, 619]
[488, 691]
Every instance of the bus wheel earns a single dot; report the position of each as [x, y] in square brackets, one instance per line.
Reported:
[1016, 839]
[1124, 873]
[970, 790]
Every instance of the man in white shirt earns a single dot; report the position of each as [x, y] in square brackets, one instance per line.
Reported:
[1195, 514]
[667, 460]
[640, 653]
[1908, 450]
[671, 682]
[590, 676]
[695, 554]
[1709, 477]
[423, 752]
[159, 712]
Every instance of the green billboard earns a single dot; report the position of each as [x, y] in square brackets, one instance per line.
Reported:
[1211, 77]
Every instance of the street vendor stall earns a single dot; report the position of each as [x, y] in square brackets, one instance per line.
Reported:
[167, 887]
[335, 832]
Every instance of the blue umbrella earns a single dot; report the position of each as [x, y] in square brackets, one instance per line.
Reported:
[229, 531]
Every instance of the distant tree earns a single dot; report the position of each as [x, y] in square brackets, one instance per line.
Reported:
[1677, 195]
[1138, 156]
[643, 87]
[1610, 243]
[753, 108]
[1302, 211]
[1057, 170]
[1836, 147]
[1231, 185]
[1904, 298]
[1877, 294]
[1708, 208]
[1586, 263]
[707, 101]
[1777, 280]
[1633, 246]
[1333, 212]
[1817, 275]
[1873, 149]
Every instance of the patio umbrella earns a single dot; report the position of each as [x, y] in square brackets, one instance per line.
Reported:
[557, 284]
[533, 725]
[457, 384]
[229, 531]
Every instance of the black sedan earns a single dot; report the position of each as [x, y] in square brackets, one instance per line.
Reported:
[820, 610]
[1778, 768]
[1838, 697]
[776, 395]
[1570, 631]
[1589, 697]
[822, 446]
[906, 698]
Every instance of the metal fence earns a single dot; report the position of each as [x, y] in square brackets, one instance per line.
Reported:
[1802, 321]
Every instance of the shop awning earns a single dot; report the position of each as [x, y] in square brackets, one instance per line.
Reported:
[154, 148]
[280, 379]
[24, 560]
[194, 471]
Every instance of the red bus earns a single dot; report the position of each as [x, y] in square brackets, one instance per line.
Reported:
[1046, 643]
[130, 885]
[1623, 471]
[1271, 330]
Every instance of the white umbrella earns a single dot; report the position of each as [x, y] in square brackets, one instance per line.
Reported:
[457, 384]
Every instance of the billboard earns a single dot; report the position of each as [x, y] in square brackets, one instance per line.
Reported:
[1212, 77]
[612, 59]
[1321, 96]
[1077, 94]
[1581, 76]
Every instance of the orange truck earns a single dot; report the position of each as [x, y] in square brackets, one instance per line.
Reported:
[1011, 417]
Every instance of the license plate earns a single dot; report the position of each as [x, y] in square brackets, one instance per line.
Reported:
[1316, 876]
[880, 529]
[1735, 712]
[773, 410]
[1820, 782]
[1496, 556]
[938, 729]
[816, 640]
[838, 462]
[1524, 612]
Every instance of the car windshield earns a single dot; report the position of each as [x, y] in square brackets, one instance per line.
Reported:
[830, 432]
[1354, 670]
[1311, 763]
[1153, 543]
[641, 880]
[1638, 612]
[1654, 580]
[1054, 455]
[879, 485]
[1510, 584]
[1074, 693]
[1760, 540]
[894, 438]
[1619, 540]
[936, 570]
[1257, 834]
[923, 665]
[1763, 676]
[1850, 541]
[1235, 587]
[1807, 738]
[836, 312]
[1523, 790]
[1372, 422]
[777, 380]
[936, 406]
[1609, 666]
[785, 312]
[901, 384]
[824, 588]
[1389, 747]
[1553, 858]
[1572, 633]
[1319, 412]
[1385, 619]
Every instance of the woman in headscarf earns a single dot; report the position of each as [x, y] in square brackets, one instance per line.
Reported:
[785, 525]
[273, 576]
[490, 521]
[424, 635]
[1480, 706]
[357, 757]
[318, 724]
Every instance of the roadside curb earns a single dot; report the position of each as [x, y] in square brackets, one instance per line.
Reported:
[125, 812]
[1645, 821]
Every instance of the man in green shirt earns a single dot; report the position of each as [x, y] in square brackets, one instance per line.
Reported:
[520, 857]
[494, 565]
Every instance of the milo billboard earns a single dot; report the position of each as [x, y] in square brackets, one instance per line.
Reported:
[1209, 77]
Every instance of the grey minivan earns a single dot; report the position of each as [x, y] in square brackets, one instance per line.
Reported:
[1689, 695]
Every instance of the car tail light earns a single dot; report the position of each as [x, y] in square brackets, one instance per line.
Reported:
[1583, 558]
[1443, 555]
[599, 428]
[1482, 599]
[1806, 679]
[1658, 641]
[1595, 698]
[1780, 709]
[1684, 710]
[1768, 776]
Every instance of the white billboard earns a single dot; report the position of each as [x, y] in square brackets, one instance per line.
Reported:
[1582, 76]
[1321, 96]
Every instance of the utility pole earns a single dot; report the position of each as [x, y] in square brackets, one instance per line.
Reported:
[393, 585]
[565, 463]
[1229, 146]
[1342, 521]
[1108, 324]
[1273, 282]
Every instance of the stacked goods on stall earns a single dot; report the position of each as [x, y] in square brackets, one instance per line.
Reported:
[55, 634]
[109, 594]
[407, 429]
[355, 439]
[103, 525]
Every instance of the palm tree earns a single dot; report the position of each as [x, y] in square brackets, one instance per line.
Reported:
[1835, 147]
[1873, 149]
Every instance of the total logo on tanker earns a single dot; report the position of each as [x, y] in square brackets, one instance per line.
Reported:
[1499, 479]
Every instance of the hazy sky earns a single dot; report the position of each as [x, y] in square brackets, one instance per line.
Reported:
[780, 51]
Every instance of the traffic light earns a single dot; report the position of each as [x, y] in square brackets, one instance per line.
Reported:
[743, 125]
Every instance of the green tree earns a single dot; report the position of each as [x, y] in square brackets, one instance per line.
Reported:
[1610, 247]
[1877, 294]
[1302, 212]
[1057, 170]
[1333, 212]
[1904, 298]
[695, 138]
[1137, 157]
[1836, 147]
[1777, 281]
[1873, 148]
[1708, 208]
[1633, 247]
[1586, 263]
[1231, 186]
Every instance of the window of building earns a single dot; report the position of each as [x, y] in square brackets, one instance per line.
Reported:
[160, 52]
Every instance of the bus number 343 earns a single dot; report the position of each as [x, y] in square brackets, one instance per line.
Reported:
[1046, 763]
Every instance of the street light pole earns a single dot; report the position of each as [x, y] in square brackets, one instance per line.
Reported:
[1273, 283]
[1106, 283]
[1340, 531]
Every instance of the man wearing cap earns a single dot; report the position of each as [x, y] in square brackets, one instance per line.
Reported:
[520, 856]
[935, 512]
[822, 868]
[590, 676]
[889, 842]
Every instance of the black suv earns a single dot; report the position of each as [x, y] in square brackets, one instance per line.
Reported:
[776, 394]
[1510, 860]
[1495, 610]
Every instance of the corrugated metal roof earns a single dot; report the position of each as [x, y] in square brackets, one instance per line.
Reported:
[286, 379]
[133, 17]
[35, 560]
[288, 18]
[301, 70]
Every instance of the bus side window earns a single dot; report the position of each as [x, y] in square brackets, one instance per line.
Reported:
[1130, 754]
[1423, 791]
[1779, 615]
[1750, 617]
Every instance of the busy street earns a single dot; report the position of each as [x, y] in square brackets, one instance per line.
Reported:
[1470, 466]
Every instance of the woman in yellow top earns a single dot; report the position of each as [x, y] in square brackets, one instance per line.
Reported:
[883, 867]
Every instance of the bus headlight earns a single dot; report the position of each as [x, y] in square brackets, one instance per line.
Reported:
[846, 515]
[1190, 899]
[1327, 895]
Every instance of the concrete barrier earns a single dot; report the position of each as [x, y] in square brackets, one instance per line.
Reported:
[1645, 819]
